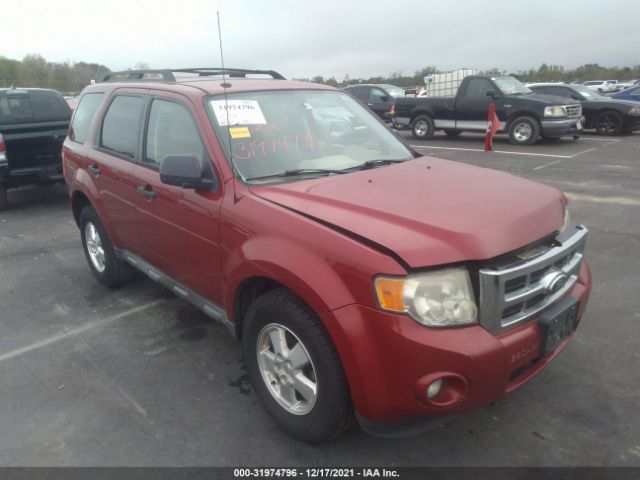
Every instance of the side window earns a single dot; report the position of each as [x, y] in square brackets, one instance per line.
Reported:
[478, 88]
[361, 93]
[85, 112]
[377, 95]
[560, 92]
[121, 125]
[171, 130]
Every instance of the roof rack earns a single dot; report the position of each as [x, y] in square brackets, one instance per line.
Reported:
[168, 74]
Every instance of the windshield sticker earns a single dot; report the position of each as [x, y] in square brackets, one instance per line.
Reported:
[239, 132]
[245, 150]
[238, 112]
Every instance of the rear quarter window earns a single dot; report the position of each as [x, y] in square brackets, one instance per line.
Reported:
[85, 111]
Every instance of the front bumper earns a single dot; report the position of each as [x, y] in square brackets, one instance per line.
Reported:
[561, 127]
[389, 359]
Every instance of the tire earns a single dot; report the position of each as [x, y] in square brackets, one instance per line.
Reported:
[524, 131]
[452, 133]
[98, 249]
[317, 407]
[422, 127]
[4, 200]
[609, 122]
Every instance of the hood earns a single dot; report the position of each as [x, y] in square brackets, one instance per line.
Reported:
[551, 100]
[428, 211]
[611, 102]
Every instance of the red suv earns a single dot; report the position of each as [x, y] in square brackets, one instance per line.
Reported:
[364, 280]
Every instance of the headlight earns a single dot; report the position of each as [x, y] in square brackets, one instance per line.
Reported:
[634, 111]
[438, 299]
[555, 112]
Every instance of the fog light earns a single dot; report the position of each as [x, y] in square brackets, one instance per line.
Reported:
[434, 389]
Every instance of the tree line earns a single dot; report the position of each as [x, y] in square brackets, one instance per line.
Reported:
[34, 71]
[68, 77]
[544, 73]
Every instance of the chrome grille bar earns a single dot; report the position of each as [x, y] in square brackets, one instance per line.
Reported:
[533, 284]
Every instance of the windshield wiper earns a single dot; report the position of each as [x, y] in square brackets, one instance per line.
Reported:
[297, 172]
[375, 163]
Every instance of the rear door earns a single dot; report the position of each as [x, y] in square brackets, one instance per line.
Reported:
[179, 228]
[110, 163]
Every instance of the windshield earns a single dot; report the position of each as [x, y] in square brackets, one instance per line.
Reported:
[510, 85]
[395, 92]
[587, 93]
[278, 131]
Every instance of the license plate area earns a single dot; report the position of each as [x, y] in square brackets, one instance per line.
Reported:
[557, 323]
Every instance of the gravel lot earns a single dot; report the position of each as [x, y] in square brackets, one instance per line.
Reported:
[136, 376]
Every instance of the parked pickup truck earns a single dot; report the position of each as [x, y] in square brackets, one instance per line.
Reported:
[33, 125]
[524, 116]
[365, 281]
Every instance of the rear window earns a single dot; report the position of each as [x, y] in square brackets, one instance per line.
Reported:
[85, 112]
[15, 109]
[48, 106]
[30, 106]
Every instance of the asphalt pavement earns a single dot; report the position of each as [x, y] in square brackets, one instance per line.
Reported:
[136, 377]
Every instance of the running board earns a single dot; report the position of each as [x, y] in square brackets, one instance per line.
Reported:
[209, 308]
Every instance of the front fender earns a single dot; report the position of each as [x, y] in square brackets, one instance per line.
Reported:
[299, 268]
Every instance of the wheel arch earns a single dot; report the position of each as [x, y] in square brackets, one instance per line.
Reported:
[417, 113]
[321, 292]
[521, 113]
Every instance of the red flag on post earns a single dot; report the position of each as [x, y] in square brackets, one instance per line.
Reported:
[493, 125]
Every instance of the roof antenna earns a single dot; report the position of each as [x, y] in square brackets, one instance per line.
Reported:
[224, 86]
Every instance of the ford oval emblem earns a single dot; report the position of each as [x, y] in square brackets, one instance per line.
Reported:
[554, 281]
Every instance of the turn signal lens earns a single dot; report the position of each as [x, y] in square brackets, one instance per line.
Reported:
[390, 293]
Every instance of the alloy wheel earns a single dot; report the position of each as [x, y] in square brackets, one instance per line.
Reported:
[287, 369]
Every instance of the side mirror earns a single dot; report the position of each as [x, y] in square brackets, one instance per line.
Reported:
[575, 96]
[492, 93]
[385, 98]
[184, 171]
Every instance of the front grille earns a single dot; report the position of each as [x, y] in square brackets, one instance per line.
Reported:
[573, 110]
[514, 293]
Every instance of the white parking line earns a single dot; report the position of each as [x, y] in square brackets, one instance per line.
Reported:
[495, 151]
[589, 139]
[571, 156]
[75, 331]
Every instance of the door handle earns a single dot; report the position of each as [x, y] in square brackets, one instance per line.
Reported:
[94, 169]
[145, 191]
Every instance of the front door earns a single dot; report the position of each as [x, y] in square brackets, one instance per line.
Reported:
[472, 106]
[179, 227]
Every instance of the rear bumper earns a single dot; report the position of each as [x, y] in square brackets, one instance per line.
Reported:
[45, 174]
[561, 127]
[390, 359]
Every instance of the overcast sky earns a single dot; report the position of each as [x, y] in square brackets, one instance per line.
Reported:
[304, 38]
